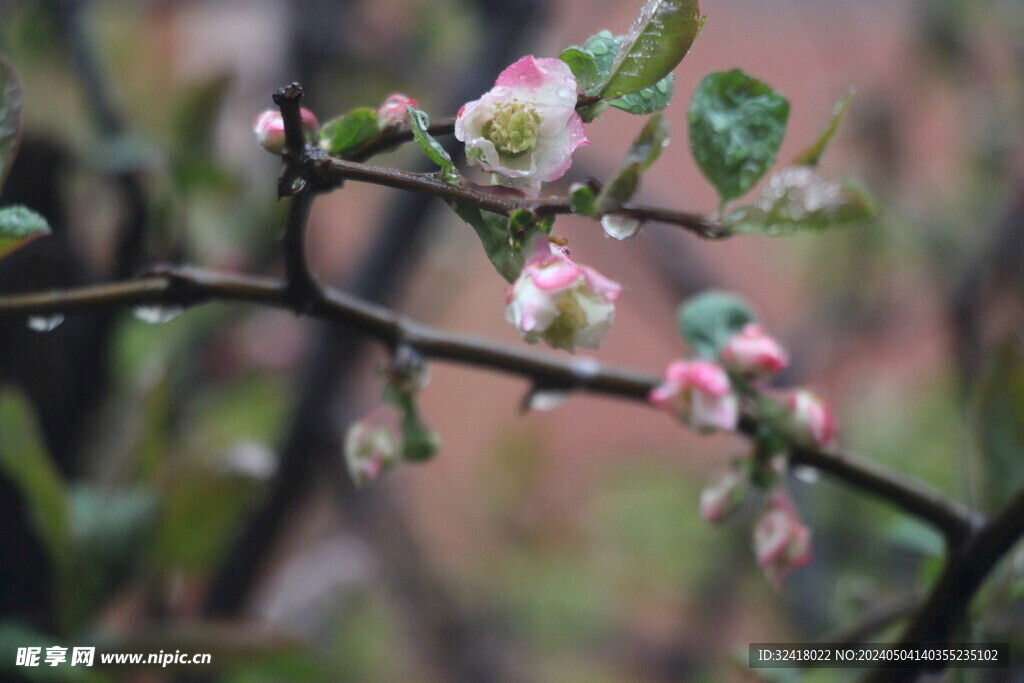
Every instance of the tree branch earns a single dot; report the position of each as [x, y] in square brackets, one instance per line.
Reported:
[325, 172]
[186, 286]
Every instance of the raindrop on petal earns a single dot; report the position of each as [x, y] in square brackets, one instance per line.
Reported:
[620, 227]
[155, 315]
[45, 323]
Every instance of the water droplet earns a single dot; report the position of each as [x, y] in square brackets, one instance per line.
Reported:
[546, 399]
[297, 185]
[662, 86]
[45, 323]
[808, 475]
[499, 91]
[155, 315]
[620, 227]
[564, 93]
[647, 93]
[599, 47]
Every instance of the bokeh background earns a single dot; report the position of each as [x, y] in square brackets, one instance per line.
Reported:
[200, 458]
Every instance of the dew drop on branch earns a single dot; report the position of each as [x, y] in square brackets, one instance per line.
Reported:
[620, 227]
[808, 475]
[45, 323]
[154, 315]
[546, 399]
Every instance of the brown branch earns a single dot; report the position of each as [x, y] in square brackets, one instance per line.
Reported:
[392, 137]
[325, 172]
[187, 286]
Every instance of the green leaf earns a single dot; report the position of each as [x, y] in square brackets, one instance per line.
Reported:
[708, 320]
[644, 151]
[602, 47]
[582, 65]
[18, 226]
[354, 128]
[659, 38]
[109, 527]
[649, 100]
[10, 117]
[736, 126]
[419, 122]
[583, 199]
[1000, 425]
[812, 155]
[798, 199]
[419, 442]
[492, 229]
[26, 462]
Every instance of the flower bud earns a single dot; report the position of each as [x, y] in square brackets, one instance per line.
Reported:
[725, 493]
[393, 111]
[781, 541]
[373, 445]
[811, 418]
[269, 129]
[752, 353]
[699, 394]
[565, 304]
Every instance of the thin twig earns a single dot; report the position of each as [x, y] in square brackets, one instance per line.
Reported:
[325, 172]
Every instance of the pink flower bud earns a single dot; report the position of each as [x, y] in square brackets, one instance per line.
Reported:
[563, 303]
[811, 418]
[393, 111]
[753, 353]
[699, 394]
[269, 129]
[373, 445]
[525, 129]
[781, 541]
[725, 493]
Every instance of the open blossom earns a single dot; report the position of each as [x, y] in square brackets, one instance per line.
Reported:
[752, 353]
[811, 417]
[269, 129]
[781, 541]
[561, 302]
[393, 111]
[373, 444]
[525, 129]
[699, 394]
[723, 495]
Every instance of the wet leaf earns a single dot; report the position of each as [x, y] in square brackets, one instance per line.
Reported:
[18, 226]
[10, 117]
[351, 130]
[812, 155]
[736, 127]
[708, 320]
[659, 38]
[419, 122]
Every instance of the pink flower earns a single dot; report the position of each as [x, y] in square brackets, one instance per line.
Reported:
[563, 303]
[699, 394]
[723, 495]
[781, 541]
[392, 112]
[373, 444]
[525, 129]
[753, 353]
[811, 418]
[269, 129]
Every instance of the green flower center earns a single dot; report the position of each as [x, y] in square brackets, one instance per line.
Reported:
[513, 130]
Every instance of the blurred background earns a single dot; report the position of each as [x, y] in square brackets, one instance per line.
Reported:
[196, 462]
